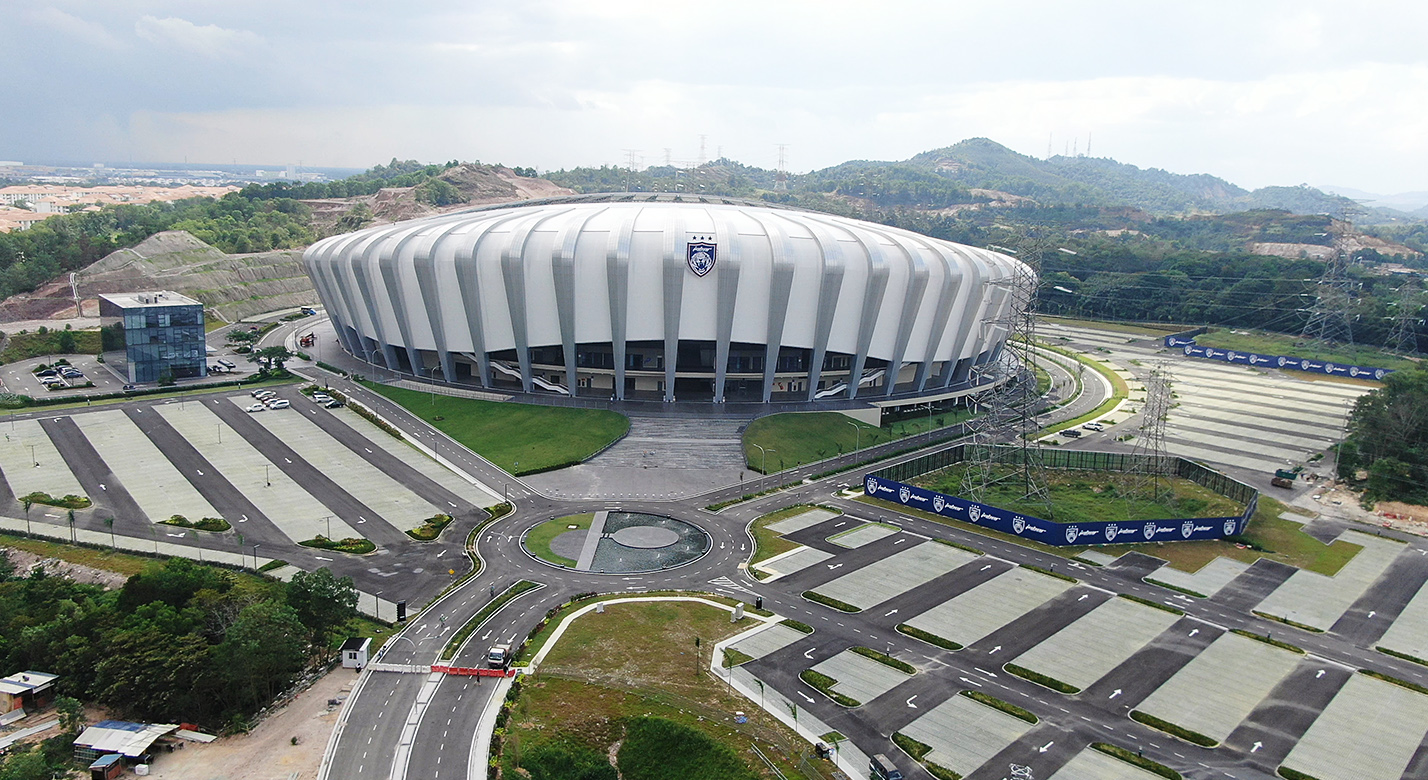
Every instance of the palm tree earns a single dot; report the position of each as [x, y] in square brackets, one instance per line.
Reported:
[109, 521]
[28, 503]
[71, 526]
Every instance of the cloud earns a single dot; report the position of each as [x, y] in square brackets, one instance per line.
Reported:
[85, 32]
[207, 40]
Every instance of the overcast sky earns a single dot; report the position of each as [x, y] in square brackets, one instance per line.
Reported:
[1259, 92]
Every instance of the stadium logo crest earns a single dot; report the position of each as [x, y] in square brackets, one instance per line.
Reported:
[904, 493]
[938, 503]
[1229, 528]
[1111, 531]
[1149, 531]
[872, 485]
[974, 512]
[1018, 524]
[702, 255]
[1071, 533]
[1187, 528]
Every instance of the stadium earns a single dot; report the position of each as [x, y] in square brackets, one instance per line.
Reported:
[663, 297]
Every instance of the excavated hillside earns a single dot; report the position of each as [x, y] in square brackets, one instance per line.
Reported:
[479, 185]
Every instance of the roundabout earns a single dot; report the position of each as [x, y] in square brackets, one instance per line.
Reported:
[611, 542]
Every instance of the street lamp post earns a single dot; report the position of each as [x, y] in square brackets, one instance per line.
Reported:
[764, 460]
[857, 436]
[255, 555]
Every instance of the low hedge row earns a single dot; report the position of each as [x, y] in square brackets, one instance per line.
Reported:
[928, 637]
[829, 601]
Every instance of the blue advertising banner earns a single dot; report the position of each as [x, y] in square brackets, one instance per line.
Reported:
[1059, 534]
[1191, 349]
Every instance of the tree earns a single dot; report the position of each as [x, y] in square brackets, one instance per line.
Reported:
[71, 712]
[67, 344]
[271, 358]
[1388, 437]
[264, 648]
[323, 603]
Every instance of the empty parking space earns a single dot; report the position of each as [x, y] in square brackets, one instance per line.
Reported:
[26, 444]
[1370, 731]
[1319, 601]
[396, 504]
[801, 521]
[881, 580]
[154, 483]
[863, 534]
[860, 677]
[989, 606]
[1221, 686]
[1092, 764]
[1207, 581]
[794, 560]
[763, 641]
[277, 496]
[1409, 633]
[963, 734]
[424, 465]
[1086, 650]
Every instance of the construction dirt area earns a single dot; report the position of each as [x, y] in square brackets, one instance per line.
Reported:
[287, 745]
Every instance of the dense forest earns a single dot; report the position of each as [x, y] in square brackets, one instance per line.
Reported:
[179, 642]
[1388, 438]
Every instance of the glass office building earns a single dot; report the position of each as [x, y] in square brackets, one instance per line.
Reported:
[163, 335]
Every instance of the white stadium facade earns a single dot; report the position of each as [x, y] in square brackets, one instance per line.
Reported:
[666, 298]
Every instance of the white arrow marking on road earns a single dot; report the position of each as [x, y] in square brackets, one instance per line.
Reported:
[900, 541]
[451, 504]
[1115, 693]
[984, 568]
[1194, 631]
[807, 654]
[833, 566]
[994, 650]
[909, 701]
[320, 558]
[288, 460]
[970, 682]
[840, 525]
[200, 473]
[890, 614]
[1320, 674]
[806, 697]
[1372, 613]
[983, 671]
[1256, 747]
[1046, 747]
[244, 519]
[443, 552]
[1083, 597]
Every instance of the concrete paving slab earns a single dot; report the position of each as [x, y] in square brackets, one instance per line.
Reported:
[51, 476]
[1230, 429]
[989, 606]
[295, 511]
[860, 677]
[398, 506]
[1409, 633]
[1092, 764]
[963, 734]
[1207, 581]
[1319, 601]
[801, 521]
[863, 534]
[1086, 650]
[591, 544]
[1190, 451]
[1316, 428]
[792, 561]
[155, 484]
[881, 580]
[1096, 557]
[1221, 686]
[768, 640]
[480, 495]
[1370, 731]
[1267, 445]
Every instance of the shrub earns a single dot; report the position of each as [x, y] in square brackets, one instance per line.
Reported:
[829, 601]
[661, 749]
[798, 626]
[1193, 737]
[998, 704]
[928, 637]
[825, 684]
[430, 528]
[1041, 679]
[350, 545]
[69, 501]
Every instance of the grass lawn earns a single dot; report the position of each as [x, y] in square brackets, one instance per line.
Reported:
[1282, 344]
[768, 543]
[538, 539]
[640, 659]
[1119, 389]
[108, 560]
[1094, 496]
[24, 346]
[520, 438]
[1279, 540]
[795, 438]
[1117, 327]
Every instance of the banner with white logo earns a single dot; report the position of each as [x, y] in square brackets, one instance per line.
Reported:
[1189, 348]
[1058, 534]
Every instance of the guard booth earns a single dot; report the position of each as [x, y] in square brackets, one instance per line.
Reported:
[354, 652]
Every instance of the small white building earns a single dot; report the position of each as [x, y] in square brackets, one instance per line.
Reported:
[354, 652]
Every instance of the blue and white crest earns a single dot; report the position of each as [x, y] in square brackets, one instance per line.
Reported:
[974, 512]
[938, 503]
[702, 255]
[1187, 528]
[872, 484]
[1111, 531]
[1071, 533]
[904, 493]
[1149, 531]
[1230, 527]
[1018, 523]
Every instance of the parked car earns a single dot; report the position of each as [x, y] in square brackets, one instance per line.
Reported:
[278, 403]
[333, 404]
[127, 388]
[47, 372]
[1094, 426]
[1071, 433]
[321, 398]
[263, 395]
[255, 408]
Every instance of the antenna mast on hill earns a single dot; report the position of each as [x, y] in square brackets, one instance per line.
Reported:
[1403, 337]
[1008, 412]
[1329, 318]
[1148, 478]
[781, 178]
[630, 156]
[702, 139]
